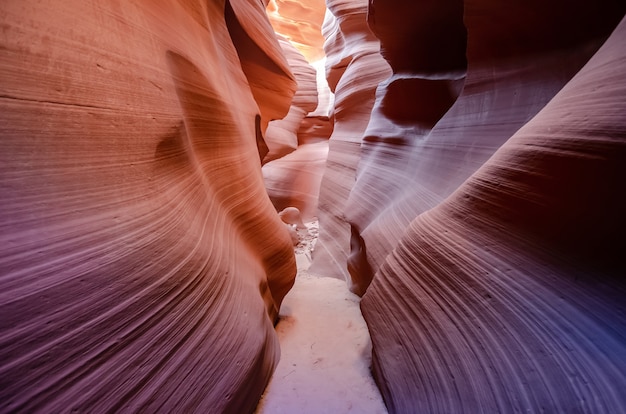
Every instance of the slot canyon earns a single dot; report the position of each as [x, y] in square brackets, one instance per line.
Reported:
[458, 169]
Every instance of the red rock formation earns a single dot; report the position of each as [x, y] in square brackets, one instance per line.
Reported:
[301, 23]
[354, 67]
[294, 180]
[141, 261]
[293, 172]
[314, 129]
[282, 134]
[498, 282]
[297, 157]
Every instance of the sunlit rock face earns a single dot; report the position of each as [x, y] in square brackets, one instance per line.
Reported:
[299, 142]
[294, 168]
[281, 136]
[301, 23]
[354, 67]
[492, 233]
[141, 261]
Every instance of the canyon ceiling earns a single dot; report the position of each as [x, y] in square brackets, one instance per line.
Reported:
[469, 180]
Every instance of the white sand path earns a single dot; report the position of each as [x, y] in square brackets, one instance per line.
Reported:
[325, 349]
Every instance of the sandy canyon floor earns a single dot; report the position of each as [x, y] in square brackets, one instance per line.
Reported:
[325, 347]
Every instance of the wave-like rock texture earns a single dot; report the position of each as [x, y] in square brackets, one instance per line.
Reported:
[293, 170]
[354, 67]
[281, 136]
[141, 261]
[425, 46]
[505, 291]
[408, 165]
[301, 22]
[298, 143]
[295, 179]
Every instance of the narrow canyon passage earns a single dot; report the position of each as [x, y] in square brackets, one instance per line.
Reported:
[325, 348]
[465, 160]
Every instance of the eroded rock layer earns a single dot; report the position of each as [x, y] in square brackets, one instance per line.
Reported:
[301, 23]
[354, 67]
[408, 167]
[281, 136]
[141, 261]
[294, 180]
[293, 167]
[492, 234]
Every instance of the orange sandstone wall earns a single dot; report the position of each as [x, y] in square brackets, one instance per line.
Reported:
[294, 166]
[141, 261]
[281, 136]
[301, 22]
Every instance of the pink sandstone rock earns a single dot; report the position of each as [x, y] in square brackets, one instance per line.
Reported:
[141, 262]
[406, 168]
[292, 173]
[354, 68]
[428, 77]
[292, 216]
[493, 236]
[295, 179]
[281, 136]
[314, 129]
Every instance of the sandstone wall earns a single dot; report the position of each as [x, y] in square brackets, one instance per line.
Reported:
[301, 22]
[293, 168]
[407, 167]
[141, 261]
[487, 212]
[281, 136]
[354, 68]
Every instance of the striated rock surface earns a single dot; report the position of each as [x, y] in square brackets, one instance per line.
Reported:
[494, 232]
[281, 136]
[314, 129]
[141, 261]
[294, 168]
[425, 46]
[301, 23]
[294, 180]
[408, 167]
[354, 67]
